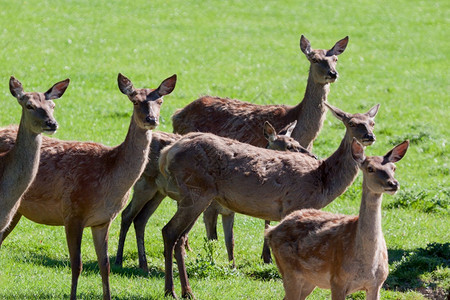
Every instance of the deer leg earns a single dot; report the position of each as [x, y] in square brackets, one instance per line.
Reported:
[179, 225]
[227, 223]
[338, 292]
[143, 192]
[267, 258]
[100, 236]
[10, 228]
[373, 294]
[292, 286]
[210, 220]
[74, 235]
[139, 226]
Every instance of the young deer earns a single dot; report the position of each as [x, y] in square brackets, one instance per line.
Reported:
[258, 182]
[84, 184]
[240, 120]
[342, 253]
[19, 165]
[147, 197]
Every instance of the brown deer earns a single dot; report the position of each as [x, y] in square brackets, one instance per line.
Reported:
[19, 165]
[147, 197]
[85, 184]
[338, 252]
[262, 183]
[240, 120]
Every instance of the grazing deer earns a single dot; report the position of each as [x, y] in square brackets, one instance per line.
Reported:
[240, 120]
[147, 197]
[19, 165]
[262, 183]
[85, 184]
[338, 252]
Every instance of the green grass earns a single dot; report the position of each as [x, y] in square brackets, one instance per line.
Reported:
[397, 56]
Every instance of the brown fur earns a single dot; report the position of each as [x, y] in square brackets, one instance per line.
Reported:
[85, 184]
[146, 197]
[342, 253]
[19, 165]
[258, 182]
[239, 120]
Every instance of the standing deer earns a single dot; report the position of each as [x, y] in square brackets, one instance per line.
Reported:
[338, 252]
[19, 165]
[147, 197]
[261, 183]
[240, 120]
[85, 184]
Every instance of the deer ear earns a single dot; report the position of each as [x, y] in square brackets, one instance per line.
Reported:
[340, 114]
[167, 86]
[290, 128]
[373, 111]
[305, 45]
[125, 85]
[339, 47]
[15, 87]
[358, 152]
[57, 90]
[397, 152]
[269, 132]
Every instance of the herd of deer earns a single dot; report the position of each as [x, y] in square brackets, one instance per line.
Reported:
[216, 163]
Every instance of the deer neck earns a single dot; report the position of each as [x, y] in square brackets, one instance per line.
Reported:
[131, 156]
[23, 159]
[311, 112]
[339, 171]
[369, 236]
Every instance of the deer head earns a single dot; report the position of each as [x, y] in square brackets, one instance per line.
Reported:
[147, 102]
[37, 108]
[323, 62]
[378, 171]
[358, 125]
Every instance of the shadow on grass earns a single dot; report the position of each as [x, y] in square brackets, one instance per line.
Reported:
[420, 269]
[91, 267]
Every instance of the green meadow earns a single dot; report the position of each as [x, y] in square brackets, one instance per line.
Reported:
[398, 56]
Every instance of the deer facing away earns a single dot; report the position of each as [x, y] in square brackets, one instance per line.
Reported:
[266, 184]
[147, 197]
[240, 120]
[19, 165]
[338, 252]
[85, 184]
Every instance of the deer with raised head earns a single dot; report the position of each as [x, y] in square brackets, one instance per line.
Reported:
[346, 254]
[266, 184]
[19, 165]
[147, 197]
[240, 120]
[86, 184]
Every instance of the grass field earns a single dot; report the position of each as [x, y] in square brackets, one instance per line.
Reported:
[398, 56]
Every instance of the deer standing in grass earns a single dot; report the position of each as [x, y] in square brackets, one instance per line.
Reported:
[147, 197]
[19, 165]
[338, 252]
[85, 184]
[239, 120]
[261, 183]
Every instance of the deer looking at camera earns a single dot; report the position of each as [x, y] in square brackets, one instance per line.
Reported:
[338, 252]
[85, 184]
[147, 197]
[19, 165]
[240, 120]
[266, 184]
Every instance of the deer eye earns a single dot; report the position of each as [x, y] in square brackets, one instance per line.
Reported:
[370, 170]
[351, 124]
[314, 60]
[159, 101]
[29, 106]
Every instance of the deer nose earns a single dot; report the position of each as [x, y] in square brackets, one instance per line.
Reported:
[393, 184]
[369, 137]
[151, 120]
[333, 74]
[51, 124]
